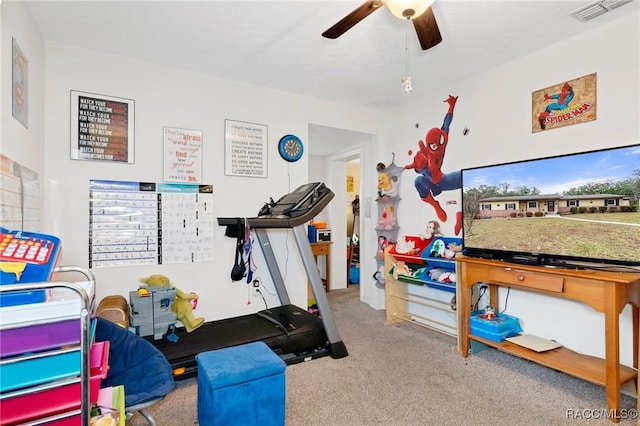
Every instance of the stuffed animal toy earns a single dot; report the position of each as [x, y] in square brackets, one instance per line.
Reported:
[432, 231]
[405, 246]
[438, 249]
[387, 219]
[183, 304]
[451, 250]
[384, 183]
[383, 242]
[401, 268]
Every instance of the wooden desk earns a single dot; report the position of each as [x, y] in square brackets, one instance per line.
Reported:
[323, 248]
[606, 292]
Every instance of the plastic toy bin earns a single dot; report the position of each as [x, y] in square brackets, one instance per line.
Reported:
[57, 396]
[243, 384]
[413, 256]
[497, 328]
[436, 259]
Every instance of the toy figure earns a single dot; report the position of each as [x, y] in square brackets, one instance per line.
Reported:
[183, 304]
[427, 163]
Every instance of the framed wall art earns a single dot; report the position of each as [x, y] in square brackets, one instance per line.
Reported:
[20, 85]
[563, 104]
[182, 155]
[245, 148]
[102, 128]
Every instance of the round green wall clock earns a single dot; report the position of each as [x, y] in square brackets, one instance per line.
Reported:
[290, 148]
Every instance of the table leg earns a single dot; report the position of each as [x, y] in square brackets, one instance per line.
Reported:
[612, 351]
[464, 305]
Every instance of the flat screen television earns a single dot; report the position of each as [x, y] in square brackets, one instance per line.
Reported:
[577, 211]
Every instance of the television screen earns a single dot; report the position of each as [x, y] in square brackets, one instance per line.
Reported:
[557, 211]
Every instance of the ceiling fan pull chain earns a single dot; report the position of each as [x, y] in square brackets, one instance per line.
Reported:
[406, 80]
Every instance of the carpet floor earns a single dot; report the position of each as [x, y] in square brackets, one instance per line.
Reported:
[402, 374]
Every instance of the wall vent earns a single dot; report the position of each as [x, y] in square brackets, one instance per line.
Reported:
[595, 9]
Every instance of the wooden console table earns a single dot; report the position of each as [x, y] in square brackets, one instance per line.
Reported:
[606, 292]
[323, 248]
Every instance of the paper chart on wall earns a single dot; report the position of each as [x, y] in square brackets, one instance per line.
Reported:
[143, 223]
[187, 223]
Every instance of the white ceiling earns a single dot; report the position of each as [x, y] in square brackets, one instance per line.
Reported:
[278, 44]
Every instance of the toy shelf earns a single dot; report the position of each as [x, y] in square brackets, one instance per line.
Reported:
[425, 303]
[422, 260]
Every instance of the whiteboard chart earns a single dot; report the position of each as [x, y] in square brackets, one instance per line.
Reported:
[142, 223]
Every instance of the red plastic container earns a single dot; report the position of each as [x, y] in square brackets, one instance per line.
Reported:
[414, 255]
[57, 396]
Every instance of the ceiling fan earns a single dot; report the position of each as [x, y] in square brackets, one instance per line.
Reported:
[418, 11]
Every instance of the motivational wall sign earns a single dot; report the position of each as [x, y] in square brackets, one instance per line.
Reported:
[102, 128]
[182, 155]
[245, 149]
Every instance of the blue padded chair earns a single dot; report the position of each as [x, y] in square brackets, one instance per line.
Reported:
[136, 364]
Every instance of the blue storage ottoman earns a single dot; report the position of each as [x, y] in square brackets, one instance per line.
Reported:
[241, 385]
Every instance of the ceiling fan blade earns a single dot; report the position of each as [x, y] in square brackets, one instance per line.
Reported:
[427, 29]
[353, 18]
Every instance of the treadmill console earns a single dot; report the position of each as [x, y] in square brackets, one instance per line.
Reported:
[300, 201]
[291, 210]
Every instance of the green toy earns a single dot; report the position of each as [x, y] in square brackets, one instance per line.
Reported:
[183, 304]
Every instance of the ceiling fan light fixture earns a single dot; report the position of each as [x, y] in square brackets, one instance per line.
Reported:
[407, 9]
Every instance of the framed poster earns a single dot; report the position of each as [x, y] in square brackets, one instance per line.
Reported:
[245, 149]
[563, 104]
[20, 85]
[102, 128]
[182, 155]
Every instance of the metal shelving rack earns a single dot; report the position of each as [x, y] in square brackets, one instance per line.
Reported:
[85, 344]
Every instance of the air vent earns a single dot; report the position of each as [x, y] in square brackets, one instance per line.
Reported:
[612, 4]
[593, 10]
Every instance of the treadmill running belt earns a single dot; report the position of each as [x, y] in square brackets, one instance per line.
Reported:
[304, 333]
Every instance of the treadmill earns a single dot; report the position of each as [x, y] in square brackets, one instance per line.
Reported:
[292, 333]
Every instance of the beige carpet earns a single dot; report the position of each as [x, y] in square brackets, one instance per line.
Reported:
[403, 374]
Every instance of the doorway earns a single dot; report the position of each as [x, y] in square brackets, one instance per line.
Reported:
[330, 151]
[353, 221]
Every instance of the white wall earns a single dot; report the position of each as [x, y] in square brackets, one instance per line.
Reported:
[496, 107]
[19, 143]
[177, 98]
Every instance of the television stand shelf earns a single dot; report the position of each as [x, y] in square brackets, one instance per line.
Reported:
[606, 292]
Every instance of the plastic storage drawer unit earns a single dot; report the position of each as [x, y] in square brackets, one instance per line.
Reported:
[57, 396]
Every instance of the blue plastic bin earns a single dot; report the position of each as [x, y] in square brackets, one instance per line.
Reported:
[496, 329]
